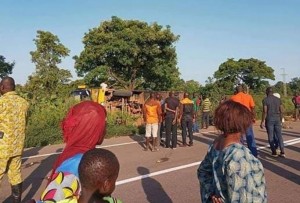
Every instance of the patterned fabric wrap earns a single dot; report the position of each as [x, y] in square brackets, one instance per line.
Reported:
[234, 174]
[106, 199]
[64, 183]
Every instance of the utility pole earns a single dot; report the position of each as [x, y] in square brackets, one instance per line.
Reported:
[284, 82]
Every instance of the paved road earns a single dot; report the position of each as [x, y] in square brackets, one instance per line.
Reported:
[169, 175]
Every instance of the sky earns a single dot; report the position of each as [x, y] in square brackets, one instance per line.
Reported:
[211, 31]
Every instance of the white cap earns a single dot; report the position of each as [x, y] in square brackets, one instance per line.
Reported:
[276, 95]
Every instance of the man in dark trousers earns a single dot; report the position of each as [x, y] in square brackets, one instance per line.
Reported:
[171, 109]
[186, 117]
[272, 116]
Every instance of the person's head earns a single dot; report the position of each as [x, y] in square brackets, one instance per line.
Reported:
[186, 95]
[245, 88]
[152, 95]
[7, 84]
[98, 172]
[239, 89]
[158, 97]
[232, 117]
[84, 125]
[269, 91]
[171, 93]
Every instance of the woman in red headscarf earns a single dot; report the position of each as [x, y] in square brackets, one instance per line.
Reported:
[83, 128]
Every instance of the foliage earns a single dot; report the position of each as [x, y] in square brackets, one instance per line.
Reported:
[5, 67]
[48, 79]
[295, 85]
[178, 85]
[192, 86]
[129, 54]
[252, 72]
[279, 88]
[126, 127]
[43, 125]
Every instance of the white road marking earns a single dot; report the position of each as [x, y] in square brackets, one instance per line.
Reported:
[157, 173]
[286, 143]
[127, 143]
[103, 146]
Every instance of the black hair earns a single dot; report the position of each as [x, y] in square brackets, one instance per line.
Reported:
[97, 166]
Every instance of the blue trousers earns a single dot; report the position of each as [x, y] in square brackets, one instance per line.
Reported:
[274, 127]
[251, 141]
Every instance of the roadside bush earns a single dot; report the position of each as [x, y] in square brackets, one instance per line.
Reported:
[122, 124]
[43, 124]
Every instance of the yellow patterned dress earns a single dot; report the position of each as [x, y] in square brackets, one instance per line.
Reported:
[13, 110]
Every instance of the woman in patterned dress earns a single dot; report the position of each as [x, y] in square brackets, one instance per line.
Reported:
[229, 171]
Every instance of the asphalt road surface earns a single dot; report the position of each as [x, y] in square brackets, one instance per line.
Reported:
[169, 175]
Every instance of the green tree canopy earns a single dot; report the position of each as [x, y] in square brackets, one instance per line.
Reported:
[294, 85]
[130, 54]
[48, 77]
[192, 86]
[5, 67]
[252, 72]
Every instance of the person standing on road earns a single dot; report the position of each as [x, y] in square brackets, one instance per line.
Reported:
[13, 111]
[296, 102]
[196, 104]
[171, 108]
[186, 118]
[272, 117]
[83, 128]
[229, 171]
[276, 142]
[206, 108]
[152, 117]
[161, 123]
[247, 100]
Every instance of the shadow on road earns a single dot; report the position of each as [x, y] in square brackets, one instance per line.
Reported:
[290, 133]
[266, 159]
[205, 140]
[291, 147]
[152, 188]
[36, 178]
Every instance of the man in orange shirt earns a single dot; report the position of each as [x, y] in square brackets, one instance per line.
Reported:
[247, 100]
[152, 117]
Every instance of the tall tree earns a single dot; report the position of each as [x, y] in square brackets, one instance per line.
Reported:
[5, 67]
[48, 77]
[252, 72]
[192, 86]
[130, 54]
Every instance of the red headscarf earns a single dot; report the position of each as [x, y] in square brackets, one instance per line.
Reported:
[83, 128]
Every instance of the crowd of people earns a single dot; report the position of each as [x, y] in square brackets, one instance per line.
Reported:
[230, 172]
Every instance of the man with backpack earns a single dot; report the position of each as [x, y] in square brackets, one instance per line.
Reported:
[296, 102]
